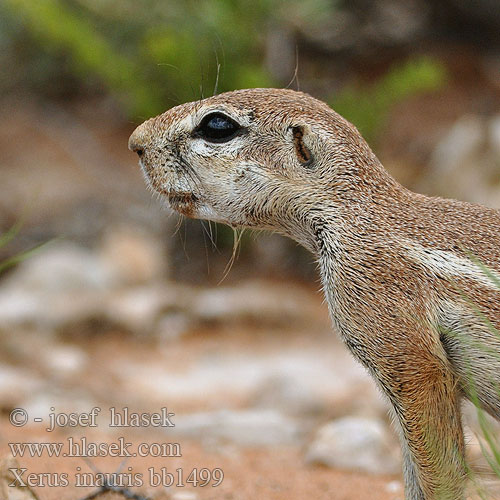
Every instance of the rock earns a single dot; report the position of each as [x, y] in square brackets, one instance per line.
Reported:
[49, 311]
[494, 135]
[172, 326]
[246, 427]
[386, 23]
[16, 384]
[133, 256]
[39, 404]
[256, 301]
[291, 395]
[20, 307]
[305, 384]
[61, 283]
[212, 381]
[296, 383]
[66, 286]
[64, 359]
[394, 487]
[184, 495]
[138, 309]
[61, 267]
[69, 289]
[458, 145]
[355, 443]
[465, 162]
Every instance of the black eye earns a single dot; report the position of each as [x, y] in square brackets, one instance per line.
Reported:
[217, 127]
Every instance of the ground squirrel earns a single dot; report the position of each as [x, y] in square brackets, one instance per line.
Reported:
[402, 273]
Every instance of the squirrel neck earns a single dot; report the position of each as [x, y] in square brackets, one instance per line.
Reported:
[354, 201]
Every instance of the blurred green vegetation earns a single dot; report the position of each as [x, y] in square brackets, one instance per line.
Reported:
[369, 106]
[145, 54]
[154, 54]
[7, 237]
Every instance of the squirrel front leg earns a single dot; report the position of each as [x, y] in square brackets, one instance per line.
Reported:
[426, 402]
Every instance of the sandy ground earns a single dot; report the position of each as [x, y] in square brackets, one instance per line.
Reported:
[277, 473]
[116, 373]
[250, 472]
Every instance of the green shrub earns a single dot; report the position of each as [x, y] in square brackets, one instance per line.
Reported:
[368, 107]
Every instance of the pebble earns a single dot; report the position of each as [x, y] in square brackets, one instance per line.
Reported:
[242, 427]
[355, 443]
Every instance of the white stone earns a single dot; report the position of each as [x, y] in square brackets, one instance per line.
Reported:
[297, 383]
[64, 360]
[133, 256]
[172, 326]
[394, 487]
[18, 306]
[354, 443]
[61, 266]
[16, 384]
[465, 162]
[262, 302]
[245, 427]
[184, 495]
[462, 140]
[292, 395]
[138, 308]
[494, 135]
[39, 404]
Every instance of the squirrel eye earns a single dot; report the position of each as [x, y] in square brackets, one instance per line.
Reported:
[217, 127]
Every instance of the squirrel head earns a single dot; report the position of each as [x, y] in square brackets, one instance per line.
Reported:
[252, 157]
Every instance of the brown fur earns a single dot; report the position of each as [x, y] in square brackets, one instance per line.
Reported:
[398, 268]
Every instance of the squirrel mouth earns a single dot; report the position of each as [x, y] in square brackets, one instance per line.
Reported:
[182, 202]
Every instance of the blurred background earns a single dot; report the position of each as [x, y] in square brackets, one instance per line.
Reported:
[108, 299]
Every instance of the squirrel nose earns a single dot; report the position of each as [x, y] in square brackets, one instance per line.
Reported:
[137, 141]
[138, 150]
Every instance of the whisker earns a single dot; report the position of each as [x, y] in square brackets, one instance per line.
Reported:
[205, 233]
[208, 233]
[214, 234]
[178, 224]
[177, 99]
[236, 244]
[223, 56]
[296, 71]
[191, 173]
[216, 86]
[202, 75]
[217, 76]
[184, 239]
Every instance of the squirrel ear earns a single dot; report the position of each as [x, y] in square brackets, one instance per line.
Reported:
[303, 153]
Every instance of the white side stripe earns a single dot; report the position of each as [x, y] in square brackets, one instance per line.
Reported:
[449, 265]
